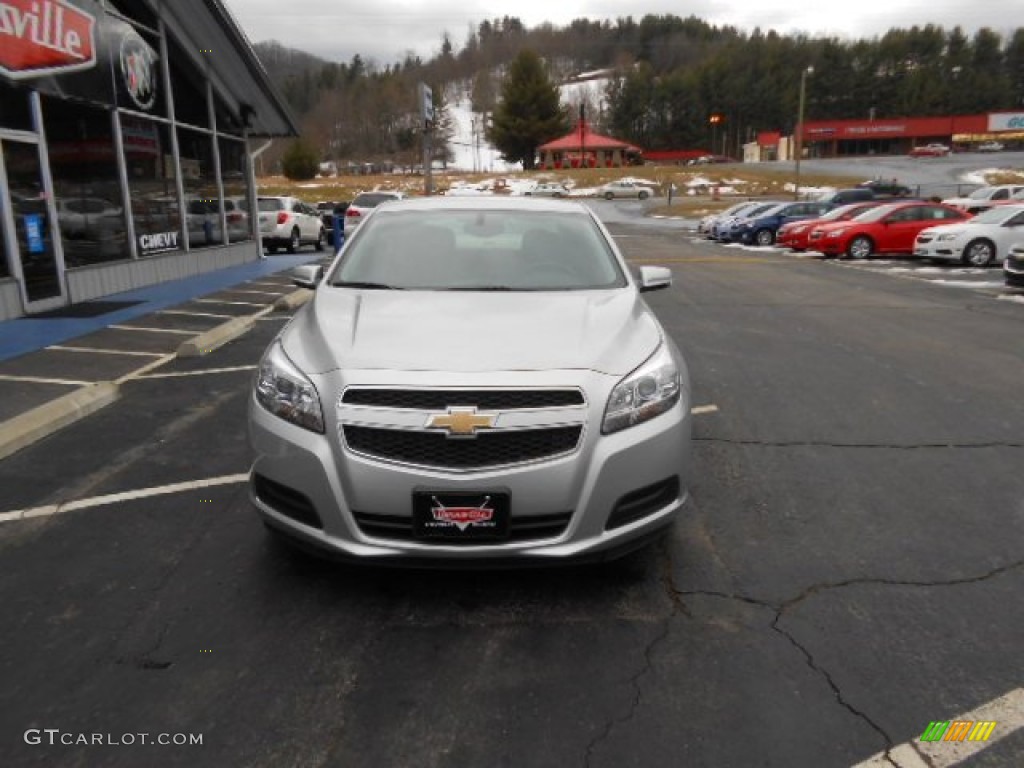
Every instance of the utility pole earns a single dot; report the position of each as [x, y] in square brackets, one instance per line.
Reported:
[427, 113]
[800, 129]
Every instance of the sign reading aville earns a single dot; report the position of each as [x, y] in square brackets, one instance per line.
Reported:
[45, 37]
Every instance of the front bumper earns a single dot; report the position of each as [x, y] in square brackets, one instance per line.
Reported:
[936, 250]
[306, 471]
[1013, 271]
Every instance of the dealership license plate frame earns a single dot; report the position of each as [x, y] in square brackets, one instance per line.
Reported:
[427, 528]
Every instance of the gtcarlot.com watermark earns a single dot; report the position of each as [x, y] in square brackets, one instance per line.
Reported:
[55, 736]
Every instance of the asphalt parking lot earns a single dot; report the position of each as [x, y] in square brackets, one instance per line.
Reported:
[849, 568]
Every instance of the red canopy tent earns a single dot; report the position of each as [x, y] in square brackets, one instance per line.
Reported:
[584, 148]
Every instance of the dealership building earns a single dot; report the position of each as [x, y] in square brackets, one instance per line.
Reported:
[896, 136]
[125, 153]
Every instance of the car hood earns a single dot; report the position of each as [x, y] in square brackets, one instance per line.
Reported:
[607, 331]
[966, 201]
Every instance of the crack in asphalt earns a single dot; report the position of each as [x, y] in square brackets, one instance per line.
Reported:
[830, 444]
[678, 607]
[780, 609]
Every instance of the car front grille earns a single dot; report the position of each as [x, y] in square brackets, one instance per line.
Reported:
[399, 528]
[483, 399]
[487, 449]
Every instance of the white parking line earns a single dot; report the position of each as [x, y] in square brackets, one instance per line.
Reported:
[261, 293]
[1007, 712]
[232, 303]
[701, 409]
[177, 374]
[113, 498]
[191, 314]
[152, 330]
[60, 348]
[41, 380]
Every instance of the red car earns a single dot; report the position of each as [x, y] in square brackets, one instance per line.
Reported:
[796, 234]
[883, 229]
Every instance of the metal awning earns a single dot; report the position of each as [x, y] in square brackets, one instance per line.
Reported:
[237, 76]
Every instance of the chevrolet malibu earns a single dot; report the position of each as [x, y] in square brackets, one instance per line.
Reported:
[478, 381]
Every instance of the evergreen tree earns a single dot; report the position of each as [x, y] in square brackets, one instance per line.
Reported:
[528, 113]
[300, 161]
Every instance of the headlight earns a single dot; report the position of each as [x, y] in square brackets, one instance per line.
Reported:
[946, 237]
[836, 233]
[650, 390]
[284, 391]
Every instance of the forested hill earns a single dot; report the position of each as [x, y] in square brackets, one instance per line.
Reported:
[672, 74]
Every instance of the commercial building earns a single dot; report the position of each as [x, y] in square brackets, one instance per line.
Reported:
[124, 146]
[895, 136]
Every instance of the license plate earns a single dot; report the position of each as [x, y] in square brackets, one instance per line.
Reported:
[460, 516]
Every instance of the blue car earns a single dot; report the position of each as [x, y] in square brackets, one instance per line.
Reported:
[727, 231]
[761, 229]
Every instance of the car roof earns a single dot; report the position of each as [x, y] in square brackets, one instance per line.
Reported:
[484, 203]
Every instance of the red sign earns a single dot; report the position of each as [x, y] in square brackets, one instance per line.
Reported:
[44, 37]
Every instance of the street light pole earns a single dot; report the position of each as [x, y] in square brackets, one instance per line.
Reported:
[800, 128]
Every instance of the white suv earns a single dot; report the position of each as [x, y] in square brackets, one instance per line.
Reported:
[364, 203]
[289, 222]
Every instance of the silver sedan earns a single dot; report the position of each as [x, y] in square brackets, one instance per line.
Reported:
[475, 380]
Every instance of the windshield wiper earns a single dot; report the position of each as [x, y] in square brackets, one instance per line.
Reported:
[482, 288]
[368, 286]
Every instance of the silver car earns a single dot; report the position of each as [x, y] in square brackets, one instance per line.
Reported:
[475, 380]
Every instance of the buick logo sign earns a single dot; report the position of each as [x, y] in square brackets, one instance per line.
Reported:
[41, 37]
[138, 70]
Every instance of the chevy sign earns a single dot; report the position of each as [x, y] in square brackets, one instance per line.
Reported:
[1006, 121]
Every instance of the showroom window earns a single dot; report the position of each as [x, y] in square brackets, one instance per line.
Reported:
[199, 177]
[236, 188]
[15, 112]
[86, 185]
[154, 193]
[188, 86]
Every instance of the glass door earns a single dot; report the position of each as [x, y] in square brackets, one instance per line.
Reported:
[28, 224]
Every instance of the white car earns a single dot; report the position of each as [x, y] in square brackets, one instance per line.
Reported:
[549, 189]
[289, 222]
[614, 189]
[991, 146]
[363, 203]
[982, 199]
[976, 242]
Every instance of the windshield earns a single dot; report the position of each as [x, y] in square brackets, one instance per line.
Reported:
[996, 215]
[762, 210]
[980, 194]
[875, 214]
[458, 249]
[845, 212]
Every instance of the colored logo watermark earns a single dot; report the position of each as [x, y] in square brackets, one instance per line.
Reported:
[959, 730]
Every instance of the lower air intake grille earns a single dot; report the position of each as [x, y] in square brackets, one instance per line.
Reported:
[286, 501]
[643, 502]
[487, 449]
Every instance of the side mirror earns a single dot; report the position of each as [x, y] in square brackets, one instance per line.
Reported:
[654, 278]
[307, 276]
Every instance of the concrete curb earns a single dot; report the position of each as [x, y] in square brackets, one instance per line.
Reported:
[28, 427]
[210, 340]
[293, 300]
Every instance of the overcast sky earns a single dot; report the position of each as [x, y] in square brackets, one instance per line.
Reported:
[384, 30]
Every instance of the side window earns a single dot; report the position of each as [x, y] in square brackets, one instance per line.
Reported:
[950, 215]
[1001, 194]
[1016, 221]
[296, 206]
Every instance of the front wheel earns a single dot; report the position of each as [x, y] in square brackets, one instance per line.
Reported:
[609, 195]
[860, 248]
[320, 240]
[978, 253]
[294, 242]
[764, 237]
[643, 195]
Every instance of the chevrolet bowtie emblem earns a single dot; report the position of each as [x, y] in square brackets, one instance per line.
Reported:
[461, 422]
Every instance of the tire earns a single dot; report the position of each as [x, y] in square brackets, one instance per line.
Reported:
[609, 195]
[319, 244]
[293, 242]
[978, 253]
[556, 195]
[643, 195]
[764, 237]
[860, 247]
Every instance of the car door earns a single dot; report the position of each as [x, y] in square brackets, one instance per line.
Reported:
[1009, 234]
[900, 228]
